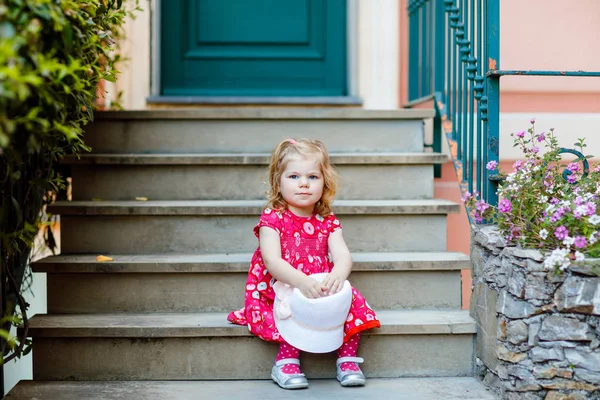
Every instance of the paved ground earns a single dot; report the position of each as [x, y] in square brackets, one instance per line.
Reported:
[376, 389]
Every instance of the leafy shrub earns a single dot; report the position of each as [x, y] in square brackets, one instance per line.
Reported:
[53, 54]
[547, 204]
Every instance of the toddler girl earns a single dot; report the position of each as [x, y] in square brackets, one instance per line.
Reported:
[299, 236]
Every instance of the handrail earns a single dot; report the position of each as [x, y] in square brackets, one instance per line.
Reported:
[454, 58]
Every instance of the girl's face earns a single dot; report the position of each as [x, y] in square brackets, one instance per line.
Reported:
[301, 185]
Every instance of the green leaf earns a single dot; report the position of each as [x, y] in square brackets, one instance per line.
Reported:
[67, 37]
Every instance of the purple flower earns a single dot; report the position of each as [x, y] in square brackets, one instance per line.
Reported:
[554, 200]
[465, 197]
[505, 206]
[580, 241]
[590, 208]
[541, 137]
[532, 120]
[572, 178]
[561, 232]
[517, 165]
[520, 134]
[556, 217]
[481, 205]
[573, 167]
[535, 149]
[491, 165]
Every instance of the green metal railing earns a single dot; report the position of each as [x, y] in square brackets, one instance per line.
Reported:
[454, 62]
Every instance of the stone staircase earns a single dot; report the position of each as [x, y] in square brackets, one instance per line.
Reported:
[157, 312]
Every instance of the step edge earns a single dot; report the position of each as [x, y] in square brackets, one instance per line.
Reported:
[247, 159]
[264, 113]
[456, 322]
[227, 264]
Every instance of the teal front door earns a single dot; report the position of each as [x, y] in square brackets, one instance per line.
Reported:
[253, 48]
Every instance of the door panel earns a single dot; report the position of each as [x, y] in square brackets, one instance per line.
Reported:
[253, 48]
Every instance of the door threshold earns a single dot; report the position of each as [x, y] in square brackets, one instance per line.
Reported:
[257, 101]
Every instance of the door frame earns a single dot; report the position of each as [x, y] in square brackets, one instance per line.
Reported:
[351, 66]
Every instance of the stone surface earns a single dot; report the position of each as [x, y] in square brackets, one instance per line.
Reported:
[580, 295]
[550, 371]
[514, 308]
[376, 389]
[568, 385]
[504, 354]
[552, 395]
[517, 331]
[588, 376]
[547, 331]
[558, 327]
[539, 354]
[516, 284]
[589, 361]
[483, 300]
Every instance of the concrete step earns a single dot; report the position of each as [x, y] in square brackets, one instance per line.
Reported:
[242, 176]
[183, 283]
[376, 389]
[150, 227]
[241, 130]
[176, 346]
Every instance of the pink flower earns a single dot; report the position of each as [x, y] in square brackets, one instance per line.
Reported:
[505, 206]
[517, 165]
[580, 241]
[532, 120]
[561, 232]
[541, 137]
[520, 134]
[573, 167]
[481, 205]
[491, 165]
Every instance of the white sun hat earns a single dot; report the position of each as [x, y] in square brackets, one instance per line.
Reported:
[311, 325]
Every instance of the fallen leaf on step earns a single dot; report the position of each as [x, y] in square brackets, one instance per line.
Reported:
[103, 258]
[141, 198]
[96, 199]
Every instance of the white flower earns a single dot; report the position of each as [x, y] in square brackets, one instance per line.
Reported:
[543, 199]
[594, 219]
[544, 234]
[579, 256]
[568, 241]
[558, 257]
[593, 239]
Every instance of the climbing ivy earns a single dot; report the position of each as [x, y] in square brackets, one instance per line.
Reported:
[53, 54]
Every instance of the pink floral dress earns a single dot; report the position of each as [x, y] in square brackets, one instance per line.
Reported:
[304, 246]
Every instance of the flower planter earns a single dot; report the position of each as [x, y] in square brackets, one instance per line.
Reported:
[538, 333]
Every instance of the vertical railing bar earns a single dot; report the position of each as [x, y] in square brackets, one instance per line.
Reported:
[423, 24]
[478, 72]
[448, 72]
[471, 83]
[492, 146]
[413, 53]
[461, 89]
[485, 193]
[432, 46]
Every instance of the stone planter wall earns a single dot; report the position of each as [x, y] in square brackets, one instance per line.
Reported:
[538, 334]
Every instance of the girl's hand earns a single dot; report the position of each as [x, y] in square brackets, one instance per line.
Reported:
[334, 282]
[312, 289]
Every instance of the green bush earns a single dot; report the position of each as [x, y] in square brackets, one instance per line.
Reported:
[53, 54]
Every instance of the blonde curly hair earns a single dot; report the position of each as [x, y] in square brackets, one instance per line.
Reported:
[301, 148]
